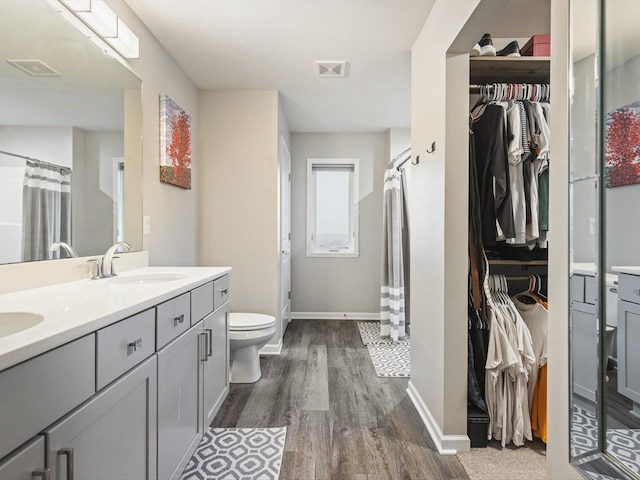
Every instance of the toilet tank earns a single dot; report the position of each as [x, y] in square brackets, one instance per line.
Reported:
[612, 299]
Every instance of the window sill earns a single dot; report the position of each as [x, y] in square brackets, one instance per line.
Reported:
[333, 254]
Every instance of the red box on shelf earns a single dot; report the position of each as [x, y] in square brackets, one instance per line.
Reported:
[537, 46]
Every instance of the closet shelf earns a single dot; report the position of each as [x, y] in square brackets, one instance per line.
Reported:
[519, 262]
[509, 70]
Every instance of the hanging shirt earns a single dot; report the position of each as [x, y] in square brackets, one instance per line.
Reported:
[539, 406]
[516, 178]
[493, 175]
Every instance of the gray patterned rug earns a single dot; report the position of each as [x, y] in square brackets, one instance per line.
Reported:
[237, 453]
[389, 359]
[622, 443]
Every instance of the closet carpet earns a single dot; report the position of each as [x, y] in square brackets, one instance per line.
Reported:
[343, 421]
[496, 463]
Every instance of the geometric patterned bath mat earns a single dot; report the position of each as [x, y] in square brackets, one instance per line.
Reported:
[237, 453]
[622, 443]
[389, 359]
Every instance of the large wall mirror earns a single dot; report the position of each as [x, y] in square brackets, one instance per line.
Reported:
[605, 226]
[70, 139]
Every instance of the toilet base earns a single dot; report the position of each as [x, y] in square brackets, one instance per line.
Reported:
[245, 365]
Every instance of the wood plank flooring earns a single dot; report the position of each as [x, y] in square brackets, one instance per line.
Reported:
[343, 422]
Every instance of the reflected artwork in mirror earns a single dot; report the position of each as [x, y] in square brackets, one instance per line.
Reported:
[70, 150]
[605, 263]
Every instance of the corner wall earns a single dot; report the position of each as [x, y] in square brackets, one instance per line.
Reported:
[239, 194]
[173, 211]
[438, 223]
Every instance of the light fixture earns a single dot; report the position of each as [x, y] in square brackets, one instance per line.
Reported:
[104, 22]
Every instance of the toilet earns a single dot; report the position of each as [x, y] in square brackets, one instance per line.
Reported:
[248, 333]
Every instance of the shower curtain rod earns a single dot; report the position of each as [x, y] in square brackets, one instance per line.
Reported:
[392, 162]
[33, 159]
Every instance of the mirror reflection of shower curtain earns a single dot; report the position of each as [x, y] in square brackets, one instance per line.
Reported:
[394, 292]
[46, 211]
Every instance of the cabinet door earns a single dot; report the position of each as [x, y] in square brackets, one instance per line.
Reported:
[216, 368]
[111, 436]
[180, 401]
[584, 345]
[27, 463]
[628, 351]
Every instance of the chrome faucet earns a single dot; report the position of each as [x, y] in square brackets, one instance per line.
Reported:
[71, 253]
[107, 260]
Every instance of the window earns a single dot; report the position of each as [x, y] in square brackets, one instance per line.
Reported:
[332, 207]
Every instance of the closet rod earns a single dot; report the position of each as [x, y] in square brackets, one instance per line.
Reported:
[33, 159]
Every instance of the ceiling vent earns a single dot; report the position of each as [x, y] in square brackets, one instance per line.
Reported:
[331, 69]
[35, 68]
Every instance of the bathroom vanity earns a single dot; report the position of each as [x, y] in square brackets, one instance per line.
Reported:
[115, 378]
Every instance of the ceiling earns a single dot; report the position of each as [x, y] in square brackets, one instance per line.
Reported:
[273, 44]
[89, 92]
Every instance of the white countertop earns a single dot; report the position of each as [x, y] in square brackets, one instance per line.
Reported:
[72, 310]
[627, 270]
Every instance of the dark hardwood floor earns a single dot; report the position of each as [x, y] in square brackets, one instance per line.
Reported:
[343, 422]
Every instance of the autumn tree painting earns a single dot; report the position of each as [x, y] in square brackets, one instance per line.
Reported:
[623, 147]
[175, 144]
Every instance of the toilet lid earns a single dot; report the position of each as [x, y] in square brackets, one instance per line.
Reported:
[250, 321]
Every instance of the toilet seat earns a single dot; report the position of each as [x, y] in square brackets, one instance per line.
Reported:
[241, 322]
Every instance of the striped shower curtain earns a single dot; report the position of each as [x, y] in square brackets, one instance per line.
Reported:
[394, 288]
[46, 209]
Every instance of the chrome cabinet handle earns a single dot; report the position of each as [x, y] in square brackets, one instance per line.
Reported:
[202, 349]
[225, 291]
[68, 452]
[636, 291]
[43, 473]
[178, 320]
[134, 346]
[209, 341]
[613, 289]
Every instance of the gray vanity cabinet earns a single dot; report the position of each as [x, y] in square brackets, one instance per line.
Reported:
[628, 352]
[27, 463]
[180, 413]
[216, 378]
[584, 334]
[113, 435]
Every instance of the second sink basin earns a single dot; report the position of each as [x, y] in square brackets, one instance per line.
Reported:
[14, 322]
[148, 278]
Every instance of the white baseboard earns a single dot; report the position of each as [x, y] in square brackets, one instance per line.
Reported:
[271, 349]
[334, 316]
[446, 444]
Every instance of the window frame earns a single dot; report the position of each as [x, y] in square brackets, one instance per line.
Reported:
[354, 211]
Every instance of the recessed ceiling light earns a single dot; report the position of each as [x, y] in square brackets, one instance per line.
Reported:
[331, 69]
[35, 68]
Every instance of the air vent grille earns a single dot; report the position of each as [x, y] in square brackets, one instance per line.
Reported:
[35, 68]
[336, 69]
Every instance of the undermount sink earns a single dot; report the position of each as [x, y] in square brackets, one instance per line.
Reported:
[149, 278]
[14, 322]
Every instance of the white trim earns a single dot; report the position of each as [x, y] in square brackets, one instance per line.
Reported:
[446, 444]
[334, 316]
[354, 214]
[270, 349]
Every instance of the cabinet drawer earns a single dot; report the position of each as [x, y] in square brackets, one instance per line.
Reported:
[591, 290]
[201, 302]
[122, 346]
[577, 288]
[174, 318]
[629, 288]
[220, 292]
[22, 465]
[37, 392]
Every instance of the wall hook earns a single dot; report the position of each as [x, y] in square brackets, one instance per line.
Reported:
[433, 148]
[417, 160]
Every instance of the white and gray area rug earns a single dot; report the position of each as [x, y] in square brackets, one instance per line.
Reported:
[237, 454]
[389, 359]
[622, 443]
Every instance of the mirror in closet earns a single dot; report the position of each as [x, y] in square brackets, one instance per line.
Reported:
[70, 149]
[605, 270]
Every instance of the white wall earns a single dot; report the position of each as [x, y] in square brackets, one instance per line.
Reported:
[239, 194]
[340, 285]
[172, 210]
[438, 211]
